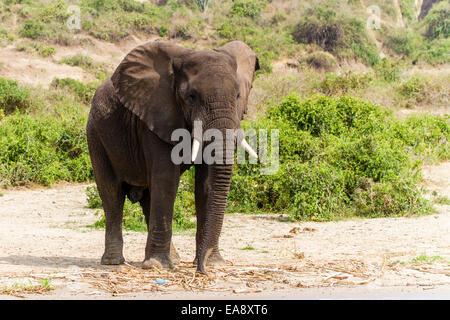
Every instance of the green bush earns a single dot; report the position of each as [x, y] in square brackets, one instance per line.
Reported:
[319, 60]
[93, 198]
[133, 219]
[31, 29]
[341, 157]
[407, 7]
[341, 35]
[425, 136]
[387, 70]
[43, 150]
[79, 60]
[43, 50]
[13, 96]
[267, 43]
[413, 89]
[163, 30]
[84, 92]
[437, 21]
[248, 8]
[341, 84]
[403, 42]
[47, 51]
[434, 52]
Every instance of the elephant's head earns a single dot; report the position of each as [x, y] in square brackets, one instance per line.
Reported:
[170, 87]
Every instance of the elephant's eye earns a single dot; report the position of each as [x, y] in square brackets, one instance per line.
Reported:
[191, 98]
[238, 96]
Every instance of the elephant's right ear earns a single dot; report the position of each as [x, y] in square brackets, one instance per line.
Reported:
[143, 82]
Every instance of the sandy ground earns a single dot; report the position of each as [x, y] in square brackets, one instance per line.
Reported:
[44, 235]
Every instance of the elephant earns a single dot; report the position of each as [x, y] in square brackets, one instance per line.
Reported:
[157, 88]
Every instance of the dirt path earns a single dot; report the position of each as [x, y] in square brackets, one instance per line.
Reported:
[44, 235]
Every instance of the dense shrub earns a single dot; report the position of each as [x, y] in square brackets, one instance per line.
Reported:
[407, 7]
[31, 29]
[387, 70]
[319, 60]
[43, 150]
[434, 52]
[403, 42]
[267, 43]
[340, 84]
[248, 8]
[432, 46]
[413, 89]
[84, 92]
[340, 157]
[13, 96]
[79, 60]
[320, 27]
[437, 22]
[341, 35]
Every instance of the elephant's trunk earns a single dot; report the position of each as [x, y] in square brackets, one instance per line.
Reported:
[219, 179]
[220, 175]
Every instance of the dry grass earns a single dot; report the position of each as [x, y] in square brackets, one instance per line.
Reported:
[237, 278]
[232, 278]
[432, 95]
[19, 289]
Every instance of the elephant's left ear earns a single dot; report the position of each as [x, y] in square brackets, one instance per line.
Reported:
[247, 64]
[143, 82]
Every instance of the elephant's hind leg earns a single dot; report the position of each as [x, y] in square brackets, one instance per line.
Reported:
[113, 196]
[113, 200]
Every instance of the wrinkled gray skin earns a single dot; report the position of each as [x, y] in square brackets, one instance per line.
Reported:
[157, 88]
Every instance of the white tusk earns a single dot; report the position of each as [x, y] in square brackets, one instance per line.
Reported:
[195, 148]
[249, 149]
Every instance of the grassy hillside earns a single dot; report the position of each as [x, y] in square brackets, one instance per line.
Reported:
[336, 89]
[275, 29]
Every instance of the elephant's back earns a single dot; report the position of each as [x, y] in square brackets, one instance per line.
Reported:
[105, 101]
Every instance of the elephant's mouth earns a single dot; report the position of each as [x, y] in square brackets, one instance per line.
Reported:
[227, 143]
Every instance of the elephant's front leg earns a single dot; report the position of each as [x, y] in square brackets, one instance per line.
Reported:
[164, 180]
[201, 199]
[145, 204]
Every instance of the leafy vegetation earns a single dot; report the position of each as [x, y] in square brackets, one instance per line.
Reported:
[341, 157]
[43, 50]
[437, 22]
[13, 96]
[339, 84]
[344, 36]
[42, 138]
[84, 92]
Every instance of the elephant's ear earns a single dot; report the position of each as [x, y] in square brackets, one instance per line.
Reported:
[247, 65]
[143, 82]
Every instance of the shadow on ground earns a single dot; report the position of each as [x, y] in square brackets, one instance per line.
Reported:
[57, 262]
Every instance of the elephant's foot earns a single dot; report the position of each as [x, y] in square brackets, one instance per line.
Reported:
[215, 259]
[157, 261]
[112, 259]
